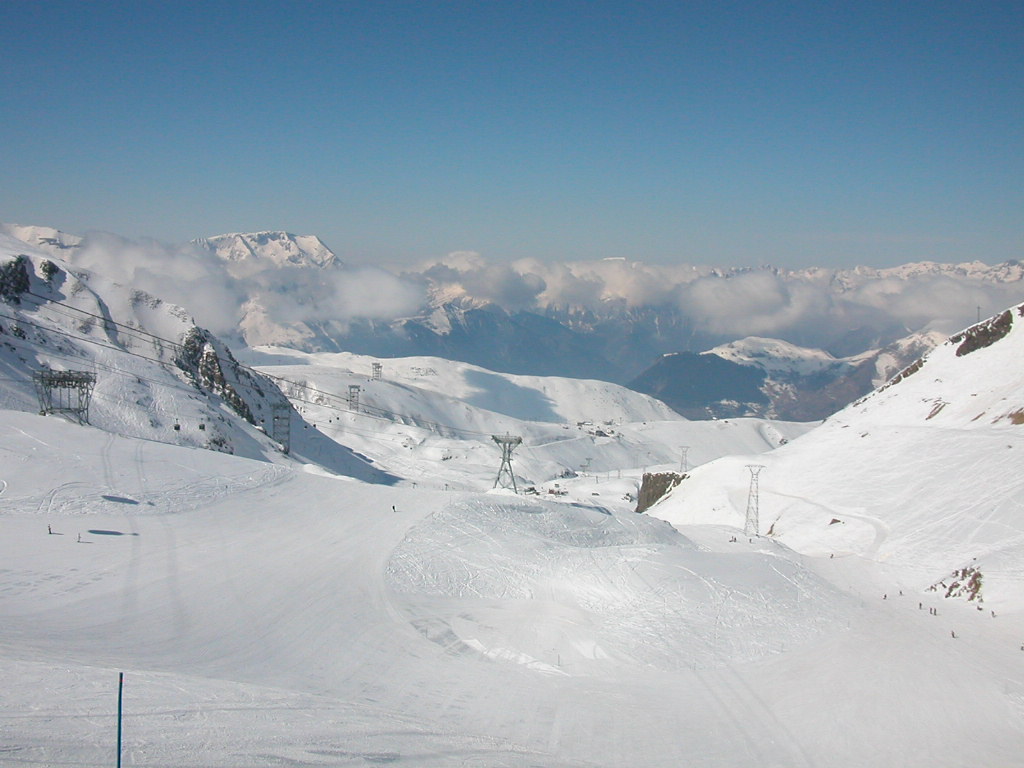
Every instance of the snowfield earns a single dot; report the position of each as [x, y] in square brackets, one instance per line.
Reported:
[264, 616]
[368, 597]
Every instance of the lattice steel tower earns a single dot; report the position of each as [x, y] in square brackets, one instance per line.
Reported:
[506, 478]
[65, 392]
[750, 528]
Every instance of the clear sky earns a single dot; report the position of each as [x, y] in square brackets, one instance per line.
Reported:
[727, 133]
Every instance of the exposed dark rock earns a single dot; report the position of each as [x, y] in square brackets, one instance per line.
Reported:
[200, 359]
[14, 279]
[654, 487]
[48, 269]
[963, 582]
[983, 334]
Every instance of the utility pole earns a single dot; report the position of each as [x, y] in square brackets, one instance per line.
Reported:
[683, 466]
[750, 527]
[353, 397]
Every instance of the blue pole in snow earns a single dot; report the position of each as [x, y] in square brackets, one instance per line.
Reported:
[120, 698]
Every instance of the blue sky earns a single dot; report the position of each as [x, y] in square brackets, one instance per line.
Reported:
[726, 133]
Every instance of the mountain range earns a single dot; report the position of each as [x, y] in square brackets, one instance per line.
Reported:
[650, 328]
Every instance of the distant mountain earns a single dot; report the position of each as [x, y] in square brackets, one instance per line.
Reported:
[704, 386]
[774, 379]
[524, 343]
[47, 239]
[264, 249]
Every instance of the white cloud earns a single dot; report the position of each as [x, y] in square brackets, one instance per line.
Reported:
[758, 303]
[810, 307]
[202, 283]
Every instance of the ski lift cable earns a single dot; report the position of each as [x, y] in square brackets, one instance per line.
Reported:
[417, 422]
[247, 368]
[174, 384]
[142, 333]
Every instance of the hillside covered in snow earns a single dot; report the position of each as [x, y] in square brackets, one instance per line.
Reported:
[775, 379]
[349, 587]
[919, 476]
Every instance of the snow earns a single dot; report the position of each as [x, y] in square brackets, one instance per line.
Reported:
[265, 616]
[431, 421]
[279, 249]
[953, 500]
[775, 356]
[47, 239]
[369, 599]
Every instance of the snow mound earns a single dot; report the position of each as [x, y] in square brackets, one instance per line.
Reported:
[572, 589]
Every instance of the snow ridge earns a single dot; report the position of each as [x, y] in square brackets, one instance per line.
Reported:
[275, 248]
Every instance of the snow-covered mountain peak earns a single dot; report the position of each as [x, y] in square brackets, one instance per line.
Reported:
[775, 356]
[275, 248]
[47, 239]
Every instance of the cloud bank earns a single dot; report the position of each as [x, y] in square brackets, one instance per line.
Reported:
[811, 307]
[224, 298]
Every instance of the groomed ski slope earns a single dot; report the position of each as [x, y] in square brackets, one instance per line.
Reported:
[267, 617]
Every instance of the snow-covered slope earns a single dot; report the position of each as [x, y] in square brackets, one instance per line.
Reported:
[775, 356]
[158, 375]
[431, 421]
[53, 241]
[267, 617]
[921, 475]
[528, 398]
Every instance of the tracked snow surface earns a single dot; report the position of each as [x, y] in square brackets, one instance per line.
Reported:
[367, 599]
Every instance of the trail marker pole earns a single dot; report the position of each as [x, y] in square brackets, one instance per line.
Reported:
[120, 700]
